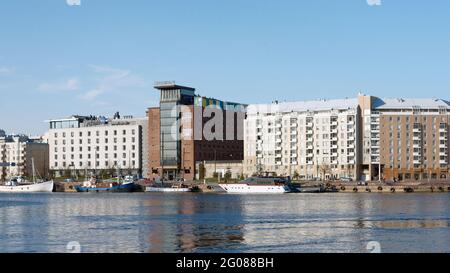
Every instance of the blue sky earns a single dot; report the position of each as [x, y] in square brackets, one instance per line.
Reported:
[104, 56]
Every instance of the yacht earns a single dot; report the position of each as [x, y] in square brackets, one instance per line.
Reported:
[259, 184]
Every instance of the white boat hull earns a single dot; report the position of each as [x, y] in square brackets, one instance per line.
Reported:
[260, 189]
[39, 187]
[156, 189]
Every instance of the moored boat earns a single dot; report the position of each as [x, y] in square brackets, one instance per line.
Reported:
[259, 185]
[15, 187]
[168, 188]
[93, 185]
[17, 184]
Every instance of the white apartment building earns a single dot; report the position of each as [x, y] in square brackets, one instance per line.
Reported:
[88, 143]
[312, 139]
[17, 153]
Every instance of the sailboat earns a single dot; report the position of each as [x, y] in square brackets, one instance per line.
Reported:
[17, 184]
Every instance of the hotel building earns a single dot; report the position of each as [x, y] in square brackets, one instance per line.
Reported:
[365, 138]
[187, 130]
[89, 143]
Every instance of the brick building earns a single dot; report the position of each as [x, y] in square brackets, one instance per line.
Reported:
[187, 129]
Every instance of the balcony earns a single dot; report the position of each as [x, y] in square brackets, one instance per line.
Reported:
[351, 138]
[443, 162]
[294, 155]
[278, 133]
[351, 154]
[417, 130]
[309, 162]
[309, 124]
[309, 147]
[309, 155]
[309, 132]
[334, 123]
[375, 159]
[278, 140]
[334, 154]
[294, 140]
[443, 145]
[278, 163]
[294, 125]
[351, 162]
[278, 148]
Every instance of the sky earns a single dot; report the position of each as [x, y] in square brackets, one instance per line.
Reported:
[65, 57]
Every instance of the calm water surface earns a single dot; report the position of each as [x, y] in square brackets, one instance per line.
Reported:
[141, 222]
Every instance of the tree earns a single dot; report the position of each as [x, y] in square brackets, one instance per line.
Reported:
[201, 171]
[324, 169]
[296, 175]
[228, 174]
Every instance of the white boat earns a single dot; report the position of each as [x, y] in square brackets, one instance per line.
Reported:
[161, 189]
[168, 188]
[10, 186]
[16, 185]
[258, 185]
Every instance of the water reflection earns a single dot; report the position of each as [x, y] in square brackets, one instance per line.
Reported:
[186, 223]
[224, 223]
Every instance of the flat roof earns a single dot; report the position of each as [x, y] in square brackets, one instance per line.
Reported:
[169, 85]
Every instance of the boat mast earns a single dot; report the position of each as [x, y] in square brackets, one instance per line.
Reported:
[118, 174]
[34, 171]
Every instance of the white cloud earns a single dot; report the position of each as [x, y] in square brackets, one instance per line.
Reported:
[73, 2]
[6, 71]
[66, 85]
[111, 79]
[374, 2]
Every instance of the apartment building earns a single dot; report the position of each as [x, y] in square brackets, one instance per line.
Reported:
[364, 138]
[306, 139]
[187, 130]
[406, 139]
[96, 143]
[17, 152]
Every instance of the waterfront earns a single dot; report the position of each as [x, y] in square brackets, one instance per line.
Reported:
[142, 222]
